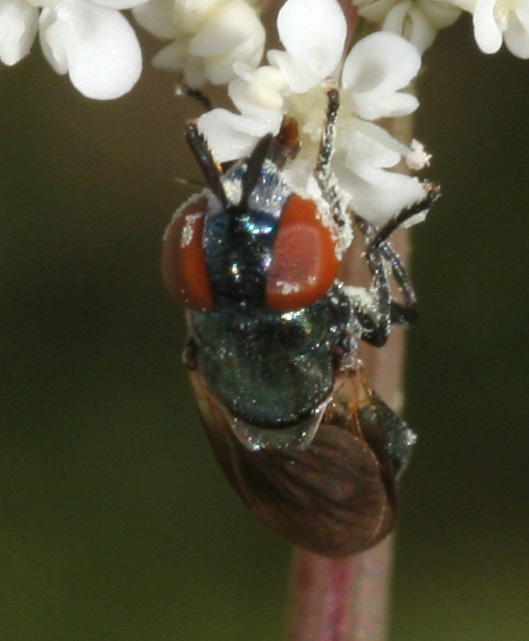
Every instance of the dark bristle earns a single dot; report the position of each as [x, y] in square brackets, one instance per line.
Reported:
[212, 173]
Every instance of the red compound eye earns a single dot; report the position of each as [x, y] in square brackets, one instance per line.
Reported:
[304, 262]
[184, 267]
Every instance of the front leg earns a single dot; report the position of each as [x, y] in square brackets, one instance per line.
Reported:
[375, 309]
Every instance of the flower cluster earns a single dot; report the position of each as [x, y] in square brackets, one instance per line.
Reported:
[91, 41]
[208, 37]
[495, 21]
[295, 83]
[212, 40]
[416, 20]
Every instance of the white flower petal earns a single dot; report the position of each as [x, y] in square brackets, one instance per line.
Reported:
[486, 31]
[239, 91]
[231, 136]
[220, 70]
[380, 60]
[156, 16]
[377, 66]
[377, 195]
[191, 15]
[374, 11]
[418, 21]
[381, 137]
[517, 34]
[466, 5]
[361, 164]
[231, 35]
[118, 4]
[172, 57]
[175, 57]
[440, 14]
[266, 87]
[406, 20]
[313, 34]
[385, 194]
[18, 28]
[299, 78]
[227, 27]
[95, 45]
[372, 106]
[368, 147]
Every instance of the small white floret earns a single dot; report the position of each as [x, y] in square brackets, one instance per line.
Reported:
[95, 45]
[18, 28]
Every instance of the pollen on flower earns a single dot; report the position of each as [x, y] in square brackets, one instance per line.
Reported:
[417, 158]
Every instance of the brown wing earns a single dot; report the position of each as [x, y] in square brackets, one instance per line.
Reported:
[335, 497]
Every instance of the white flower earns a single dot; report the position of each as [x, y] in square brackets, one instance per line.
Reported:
[91, 41]
[313, 33]
[416, 20]
[18, 28]
[496, 21]
[296, 82]
[209, 37]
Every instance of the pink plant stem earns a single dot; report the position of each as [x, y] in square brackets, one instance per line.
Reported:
[347, 599]
[344, 600]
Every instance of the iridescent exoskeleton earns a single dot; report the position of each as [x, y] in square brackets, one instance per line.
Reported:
[273, 337]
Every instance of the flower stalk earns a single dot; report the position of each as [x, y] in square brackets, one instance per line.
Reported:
[340, 600]
[349, 599]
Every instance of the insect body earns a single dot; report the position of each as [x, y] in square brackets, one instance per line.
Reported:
[273, 333]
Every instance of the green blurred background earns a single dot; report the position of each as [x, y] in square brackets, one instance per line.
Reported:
[115, 523]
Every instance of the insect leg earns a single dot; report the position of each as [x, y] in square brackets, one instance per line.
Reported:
[420, 208]
[373, 307]
[400, 313]
[182, 89]
[384, 312]
[324, 175]
[212, 173]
